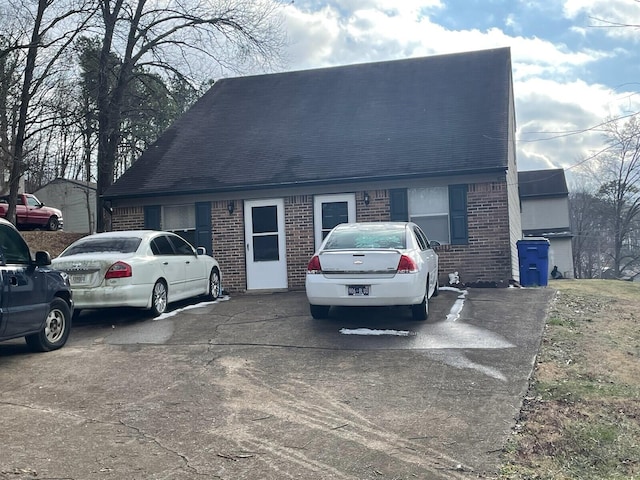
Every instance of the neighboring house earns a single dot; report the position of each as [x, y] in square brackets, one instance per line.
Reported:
[261, 167]
[544, 199]
[76, 199]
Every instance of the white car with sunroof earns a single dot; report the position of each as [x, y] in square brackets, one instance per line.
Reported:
[137, 268]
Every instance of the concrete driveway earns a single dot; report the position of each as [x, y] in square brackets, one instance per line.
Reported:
[254, 388]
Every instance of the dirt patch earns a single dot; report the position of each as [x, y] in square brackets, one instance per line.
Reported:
[581, 417]
[52, 242]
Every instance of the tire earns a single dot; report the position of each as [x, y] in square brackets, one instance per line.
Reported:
[159, 297]
[420, 311]
[55, 330]
[319, 311]
[213, 290]
[53, 224]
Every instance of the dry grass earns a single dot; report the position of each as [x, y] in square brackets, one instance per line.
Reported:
[52, 242]
[581, 419]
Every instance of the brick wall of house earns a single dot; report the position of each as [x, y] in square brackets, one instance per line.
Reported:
[378, 209]
[228, 244]
[127, 218]
[487, 256]
[298, 212]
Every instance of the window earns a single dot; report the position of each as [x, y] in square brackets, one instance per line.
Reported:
[332, 210]
[441, 212]
[180, 219]
[32, 202]
[161, 246]
[104, 245]
[421, 239]
[12, 247]
[264, 223]
[181, 246]
[429, 208]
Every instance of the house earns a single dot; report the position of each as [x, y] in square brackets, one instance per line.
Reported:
[262, 167]
[76, 199]
[544, 199]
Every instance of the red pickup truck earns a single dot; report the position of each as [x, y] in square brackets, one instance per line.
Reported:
[31, 213]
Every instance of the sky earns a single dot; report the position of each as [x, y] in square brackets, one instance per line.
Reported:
[574, 66]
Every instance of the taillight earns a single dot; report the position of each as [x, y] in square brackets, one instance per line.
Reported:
[407, 265]
[314, 265]
[119, 270]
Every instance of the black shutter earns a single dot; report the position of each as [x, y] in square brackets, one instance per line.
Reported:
[458, 214]
[152, 217]
[399, 205]
[204, 237]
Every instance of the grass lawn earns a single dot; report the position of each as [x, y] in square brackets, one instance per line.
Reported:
[581, 417]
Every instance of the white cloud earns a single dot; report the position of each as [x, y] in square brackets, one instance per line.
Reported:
[604, 15]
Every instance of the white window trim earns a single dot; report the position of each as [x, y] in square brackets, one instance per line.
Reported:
[318, 200]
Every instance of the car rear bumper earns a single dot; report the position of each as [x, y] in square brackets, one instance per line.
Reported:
[400, 290]
[121, 296]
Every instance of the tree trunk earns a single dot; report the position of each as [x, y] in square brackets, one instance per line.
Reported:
[18, 164]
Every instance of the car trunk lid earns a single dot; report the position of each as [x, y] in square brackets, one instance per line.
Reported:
[374, 263]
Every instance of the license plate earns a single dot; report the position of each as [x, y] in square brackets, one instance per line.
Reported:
[358, 290]
[78, 279]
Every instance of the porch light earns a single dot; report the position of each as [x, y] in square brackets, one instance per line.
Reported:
[230, 207]
[366, 198]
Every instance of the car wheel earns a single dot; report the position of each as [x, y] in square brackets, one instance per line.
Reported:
[421, 310]
[53, 224]
[319, 311]
[56, 328]
[159, 299]
[214, 285]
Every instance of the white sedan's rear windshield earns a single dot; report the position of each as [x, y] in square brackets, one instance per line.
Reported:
[104, 245]
[366, 238]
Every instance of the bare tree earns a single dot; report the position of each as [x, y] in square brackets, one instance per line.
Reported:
[589, 238]
[50, 31]
[618, 171]
[170, 38]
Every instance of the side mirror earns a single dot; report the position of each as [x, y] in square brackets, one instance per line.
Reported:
[201, 251]
[43, 259]
[434, 244]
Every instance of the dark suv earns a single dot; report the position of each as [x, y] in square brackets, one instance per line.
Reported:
[35, 300]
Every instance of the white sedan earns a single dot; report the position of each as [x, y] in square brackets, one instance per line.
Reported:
[137, 268]
[373, 264]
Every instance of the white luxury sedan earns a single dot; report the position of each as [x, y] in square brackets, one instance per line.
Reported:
[137, 268]
[373, 264]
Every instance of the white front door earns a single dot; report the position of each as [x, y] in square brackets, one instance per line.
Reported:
[265, 247]
[332, 210]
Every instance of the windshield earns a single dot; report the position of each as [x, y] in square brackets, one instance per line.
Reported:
[392, 237]
[104, 245]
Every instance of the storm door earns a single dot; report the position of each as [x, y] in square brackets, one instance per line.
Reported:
[265, 247]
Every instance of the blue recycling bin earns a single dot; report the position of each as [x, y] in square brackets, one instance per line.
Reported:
[533, 257]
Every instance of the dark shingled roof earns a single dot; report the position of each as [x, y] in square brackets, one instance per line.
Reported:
[430, 116]
[542, 183]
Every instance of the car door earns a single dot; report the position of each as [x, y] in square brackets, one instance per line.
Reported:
[429, 257]
[171, 266]
[196, 279]
[24, 292]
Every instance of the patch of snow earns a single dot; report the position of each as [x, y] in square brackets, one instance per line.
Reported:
[369, 331]
[191, 307]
